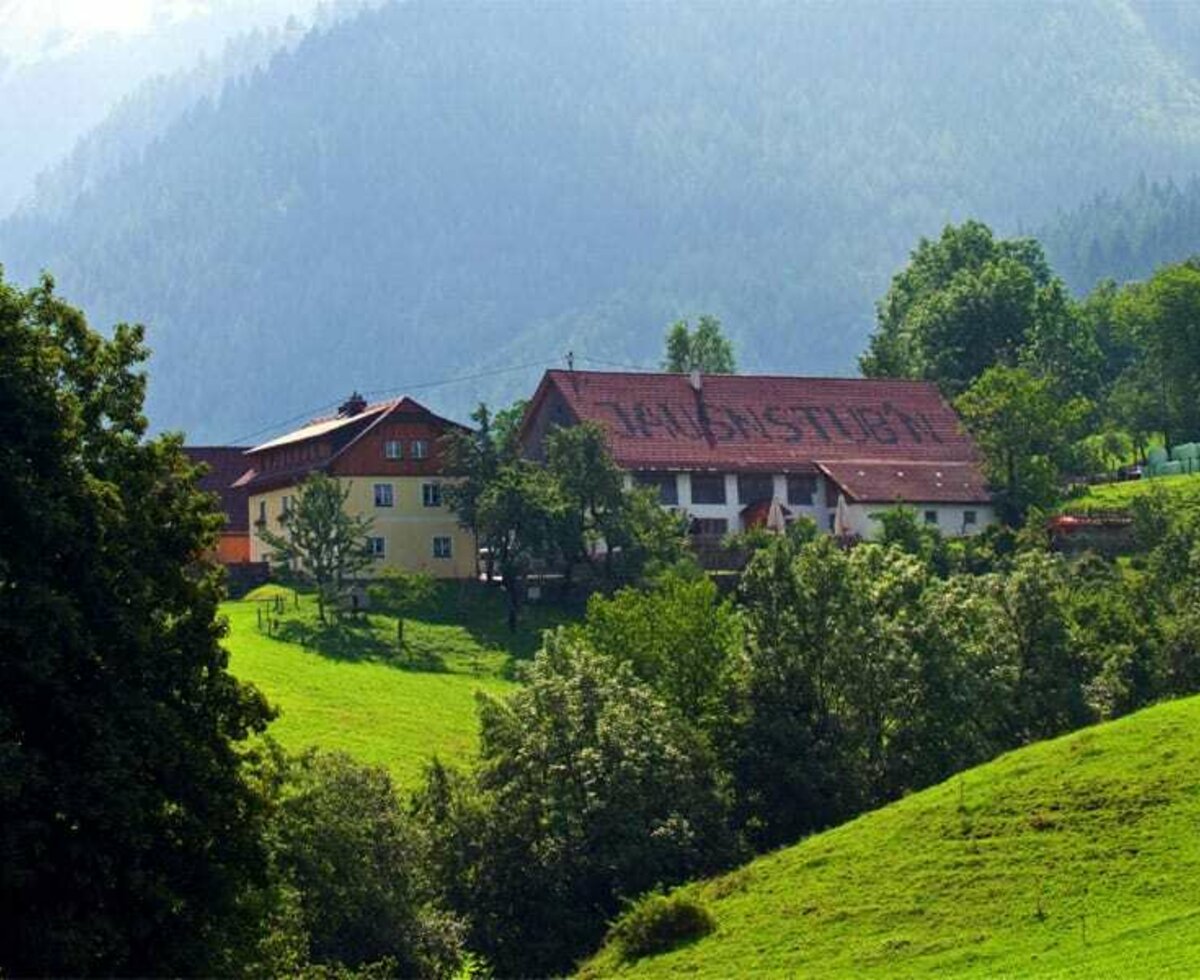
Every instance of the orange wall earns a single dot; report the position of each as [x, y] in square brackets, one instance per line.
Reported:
[233, 548]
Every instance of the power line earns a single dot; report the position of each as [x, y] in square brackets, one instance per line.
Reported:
[617, 364]
[424, 386]
[377, 392]
[270, 427]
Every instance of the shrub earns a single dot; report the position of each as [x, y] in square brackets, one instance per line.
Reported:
[658, 923]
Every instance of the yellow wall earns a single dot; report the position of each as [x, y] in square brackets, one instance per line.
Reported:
[408, 527]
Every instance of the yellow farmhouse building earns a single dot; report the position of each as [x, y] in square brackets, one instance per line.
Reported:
[390, 454]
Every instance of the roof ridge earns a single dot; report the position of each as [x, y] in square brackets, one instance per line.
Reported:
[924, 382]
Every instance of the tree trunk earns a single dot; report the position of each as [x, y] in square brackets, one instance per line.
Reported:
[511, 590]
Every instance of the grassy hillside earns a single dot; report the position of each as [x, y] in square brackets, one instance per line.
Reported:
[348, 689]
[1071, 858]
[1184, 491]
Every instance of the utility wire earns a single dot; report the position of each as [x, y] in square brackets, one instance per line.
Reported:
[270, 427]
[618, 364]
[424, 386]
[376, 392]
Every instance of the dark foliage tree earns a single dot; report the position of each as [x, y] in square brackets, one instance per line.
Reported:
[1026, 433]
[128, 834]
[1163, 316]
[592, 490]
[348, 856]
[519, 516]
[591, 790]
[474, 457]
[680, 637]
[970, 301]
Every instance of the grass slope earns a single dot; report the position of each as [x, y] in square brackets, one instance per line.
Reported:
[348, 689]
[1183, 490]
[1077, 857]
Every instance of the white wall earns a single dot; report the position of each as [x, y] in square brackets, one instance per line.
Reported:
[863, 519]
[950, 517]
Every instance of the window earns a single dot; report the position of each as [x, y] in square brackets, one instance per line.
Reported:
[753, 487]
[393, 449]
[802, 489]
[419, 449]
[262, 512]
[431, 494]
[664, 483]
[832, 522]
[969, 518]
[931, 517]
[708, 488]
[442, 548]
[285, 507]
[383, 495]
[714, 527]
[377, 547]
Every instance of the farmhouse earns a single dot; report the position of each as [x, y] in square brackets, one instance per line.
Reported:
[733, 451]
[225, 464]
[390, 455]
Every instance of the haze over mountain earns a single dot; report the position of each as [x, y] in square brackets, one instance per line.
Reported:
[433, 191]
[65, 64]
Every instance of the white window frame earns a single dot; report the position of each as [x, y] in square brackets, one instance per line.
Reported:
[435, 495]
[393, 449]
[385, 495]
[419, 448]
[443, 553]
[378, 546]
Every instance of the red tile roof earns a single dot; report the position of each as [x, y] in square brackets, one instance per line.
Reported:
[900, 481]
[759, 422]
[226, 464]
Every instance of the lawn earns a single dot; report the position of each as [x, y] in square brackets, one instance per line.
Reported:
[349, 688]
[1075, 858]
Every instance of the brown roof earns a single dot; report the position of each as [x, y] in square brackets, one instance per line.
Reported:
[759, 422]
[343, 431]
[225, 465]
[898, 481]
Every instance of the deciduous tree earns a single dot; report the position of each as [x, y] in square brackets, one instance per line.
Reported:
[1026, 432]
[321, 542]
[705, 349]
[128, 833]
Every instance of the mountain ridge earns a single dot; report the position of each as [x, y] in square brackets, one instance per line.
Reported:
[427, 192]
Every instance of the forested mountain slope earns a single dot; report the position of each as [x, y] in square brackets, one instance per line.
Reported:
[1068, 858]
[1127, 235]
[432, 190]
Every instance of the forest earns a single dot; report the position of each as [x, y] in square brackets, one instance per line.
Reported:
[429, 192]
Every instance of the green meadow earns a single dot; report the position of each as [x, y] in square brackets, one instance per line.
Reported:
[1183, 491]
[352, 688]
[1073, 858]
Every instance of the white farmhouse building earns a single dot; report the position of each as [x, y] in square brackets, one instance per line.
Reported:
[724, 448]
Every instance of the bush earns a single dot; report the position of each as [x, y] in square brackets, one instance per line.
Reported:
[658, 923]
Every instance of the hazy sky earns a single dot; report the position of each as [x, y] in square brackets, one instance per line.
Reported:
[34, 29]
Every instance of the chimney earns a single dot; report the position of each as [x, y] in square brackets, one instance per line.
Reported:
[352, 406]
[694, 379]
